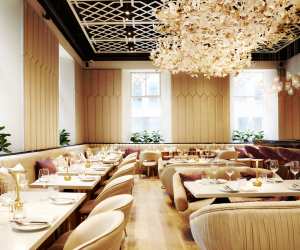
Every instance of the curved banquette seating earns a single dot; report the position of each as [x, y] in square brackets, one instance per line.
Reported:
[247, 226]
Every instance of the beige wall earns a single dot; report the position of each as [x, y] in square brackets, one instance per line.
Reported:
[79, 105]
[289, 115]
[200, 109]
[102, 97]
[40, 82]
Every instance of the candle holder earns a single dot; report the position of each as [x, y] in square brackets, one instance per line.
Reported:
[67, 176]
[257, 182]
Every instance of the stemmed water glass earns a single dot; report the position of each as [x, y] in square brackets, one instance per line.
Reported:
[294, 168]
[274, 167]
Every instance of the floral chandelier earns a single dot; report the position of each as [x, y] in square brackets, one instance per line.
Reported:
[216, 37]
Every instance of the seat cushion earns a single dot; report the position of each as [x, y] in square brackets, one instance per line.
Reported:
[131, 150]
[60, 242]
[242, 152]
[45, 164]
[289, 155]
[270, 153]
[87, 207]
[190, 177]
[254, 152]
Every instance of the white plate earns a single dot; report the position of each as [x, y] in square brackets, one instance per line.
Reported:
[62, 201]
[30, 227]
[294, 188]
[221, 181]
[87, 178]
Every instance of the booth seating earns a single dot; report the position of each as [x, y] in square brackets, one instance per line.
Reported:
[28, 160]
[247, 226]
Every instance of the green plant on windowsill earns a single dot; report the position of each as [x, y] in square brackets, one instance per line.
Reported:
[146, 137]
[64, 138]
[4, 143]
[247, 136]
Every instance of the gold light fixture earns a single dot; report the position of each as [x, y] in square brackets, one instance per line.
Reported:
[216, 38]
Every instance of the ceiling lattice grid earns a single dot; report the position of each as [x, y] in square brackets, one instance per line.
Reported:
[117, 26]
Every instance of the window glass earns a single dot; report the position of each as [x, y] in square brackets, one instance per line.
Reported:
[253, 104]
[145, 101]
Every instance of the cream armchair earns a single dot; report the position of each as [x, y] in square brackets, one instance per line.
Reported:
[102, 231]
[247, 226]
[120, 185]
[128, 169]
[149, 160]
[122, 202]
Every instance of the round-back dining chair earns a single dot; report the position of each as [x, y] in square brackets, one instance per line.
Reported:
[122, 202]
[127, 169]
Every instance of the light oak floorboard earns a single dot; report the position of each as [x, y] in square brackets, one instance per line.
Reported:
[154, 223]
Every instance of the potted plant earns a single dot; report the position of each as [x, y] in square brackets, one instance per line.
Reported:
[4, 143]
[247, 136]
[146, 137]
[64, 138]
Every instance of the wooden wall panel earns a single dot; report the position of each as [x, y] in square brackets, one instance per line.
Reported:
[40, 82]
[79, 105]
[102, 98]
[289, 115]
[200, 109]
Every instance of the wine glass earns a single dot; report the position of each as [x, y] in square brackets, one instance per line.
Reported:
[274, 166]
[294, 168]
[229, 171]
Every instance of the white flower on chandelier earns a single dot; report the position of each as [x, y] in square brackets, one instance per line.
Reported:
[216, 37]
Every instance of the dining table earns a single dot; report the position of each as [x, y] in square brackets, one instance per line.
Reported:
[242, 188]
[95, 169]
[44, 213]
[77, 182]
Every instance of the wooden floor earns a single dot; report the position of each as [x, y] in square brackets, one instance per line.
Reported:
[155, 224]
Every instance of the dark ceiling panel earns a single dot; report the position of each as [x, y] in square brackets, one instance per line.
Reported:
[104, 30]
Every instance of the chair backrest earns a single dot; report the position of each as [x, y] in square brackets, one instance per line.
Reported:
[228, 155]
[131, 156]
[127, 161]
[120, 185]
[122, 202]
[149, 156]
[251, 225]
[128, 169]
[102, 231]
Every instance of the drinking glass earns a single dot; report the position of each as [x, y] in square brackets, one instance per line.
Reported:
[274, 166]
[229, 171]
[214, 171]
[44, 176]
[294, 168]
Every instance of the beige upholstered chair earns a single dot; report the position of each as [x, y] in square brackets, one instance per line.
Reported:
[127, 161]
[131, 156]
[120, 185]
[149, 160]
[228, 155]
[128, 169]
[102, 231]
[247, 226]
[122, 202]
